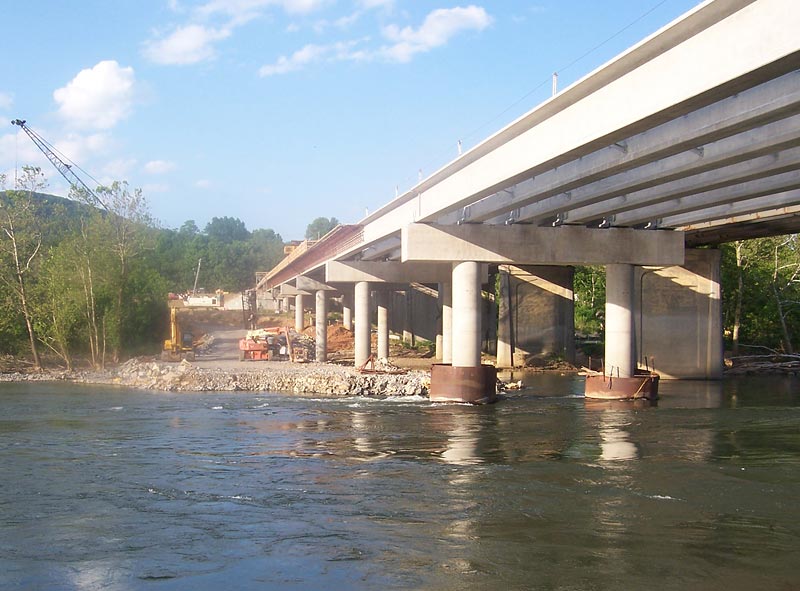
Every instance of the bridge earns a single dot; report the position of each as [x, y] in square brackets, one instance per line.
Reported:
[688, 139]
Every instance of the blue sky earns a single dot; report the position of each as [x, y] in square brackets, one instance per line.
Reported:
[280, 111]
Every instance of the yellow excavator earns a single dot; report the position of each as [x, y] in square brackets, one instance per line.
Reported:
[180, 344]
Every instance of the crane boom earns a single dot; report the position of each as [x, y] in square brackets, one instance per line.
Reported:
[62, 167]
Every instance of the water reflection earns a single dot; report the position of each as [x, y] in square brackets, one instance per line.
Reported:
[692, 393]
[461, 447]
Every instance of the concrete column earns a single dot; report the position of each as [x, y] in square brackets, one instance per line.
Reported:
[363, 327]
[466, 296]
[298, 313]
[383, 325]
[321, 326]
[505, 327]
[620, 351]
[447, 322]
[408, 318]
[439, 340]
[347, 310]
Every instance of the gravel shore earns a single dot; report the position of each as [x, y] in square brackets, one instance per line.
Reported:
[219, 369]
[311, 378]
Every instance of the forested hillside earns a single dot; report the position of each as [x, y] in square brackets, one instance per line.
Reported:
[80, 281]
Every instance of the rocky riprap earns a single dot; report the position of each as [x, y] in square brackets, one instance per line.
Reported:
[312, 378]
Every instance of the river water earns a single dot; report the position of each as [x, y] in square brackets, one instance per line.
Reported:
[120, 489]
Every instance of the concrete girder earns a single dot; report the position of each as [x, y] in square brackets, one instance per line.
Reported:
[310, 285]
[769, 102]
[696, 185]
[769, 139]
[764, 215]
[386, 272]
[747, 190]
[729, 211]
[777, 222]
[379, 250]
[289, 290]
[534, 245]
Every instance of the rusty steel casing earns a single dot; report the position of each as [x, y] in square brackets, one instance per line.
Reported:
[473, 385]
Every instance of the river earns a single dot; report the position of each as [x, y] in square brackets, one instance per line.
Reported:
[118, 489]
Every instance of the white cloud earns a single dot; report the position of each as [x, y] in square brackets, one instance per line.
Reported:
[80, 148]
[6, 100]
[300, 58]
[97, 98]
[194, 41]
[311, 54]
[186, 45]
[203, 184]
[158, 166]
[438, 28]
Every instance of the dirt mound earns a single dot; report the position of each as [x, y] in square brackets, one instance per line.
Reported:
[339, 338]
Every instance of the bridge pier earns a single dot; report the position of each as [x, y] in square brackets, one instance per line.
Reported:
[321, 326]
[619, 348]
[536, 314]
[447, 322]
[363, 325]
[679, 317]
[347, 310]
[465, 379]
[383, 324]
[621, 378]
[408, 317]
[298, 312]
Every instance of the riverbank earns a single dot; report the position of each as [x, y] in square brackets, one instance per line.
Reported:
[310, 378]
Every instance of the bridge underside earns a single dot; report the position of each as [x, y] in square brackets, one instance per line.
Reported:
[691, 138]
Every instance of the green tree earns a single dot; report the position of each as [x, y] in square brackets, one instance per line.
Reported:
[589, 287]
[319, 227]
[20, 245]
[226, 230]
[62, 320]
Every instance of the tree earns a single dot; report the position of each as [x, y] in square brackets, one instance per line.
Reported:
[20, 244]
[319, 227]
[590, 298]
[127, 218]
[226, 230]
[189, 228]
